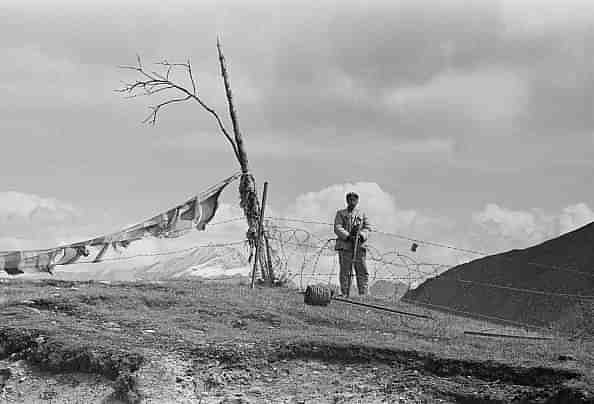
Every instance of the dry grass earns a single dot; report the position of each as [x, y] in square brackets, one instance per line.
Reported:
[209, 318]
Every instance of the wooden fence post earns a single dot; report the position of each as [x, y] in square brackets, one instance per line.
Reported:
[269, 260]
[259, 233]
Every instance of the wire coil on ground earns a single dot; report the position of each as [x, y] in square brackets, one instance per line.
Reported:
[317, 295]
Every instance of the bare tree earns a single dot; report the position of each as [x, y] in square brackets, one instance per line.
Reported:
[161, 82]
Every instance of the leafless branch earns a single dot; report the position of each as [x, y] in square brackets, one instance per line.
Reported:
[191, 77]
[152, 118]
[153, 82]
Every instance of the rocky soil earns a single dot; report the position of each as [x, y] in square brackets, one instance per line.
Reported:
[192, 343]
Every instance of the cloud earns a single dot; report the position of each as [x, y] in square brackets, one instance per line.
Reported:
[491, 98]
[575, 216]
[32, 221]
[18, 205]
[480, 98]
[47, 223]
[494, 228]
[534, 17]
[507, 228]
[513, 225]
[379, 205]
[384, 214]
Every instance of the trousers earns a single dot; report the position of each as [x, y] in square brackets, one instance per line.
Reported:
[346, 271]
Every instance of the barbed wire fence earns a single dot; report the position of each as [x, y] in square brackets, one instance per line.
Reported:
[305, 254]
[302, 252]
[387, 262]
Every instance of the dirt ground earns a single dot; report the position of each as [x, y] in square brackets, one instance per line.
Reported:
[196, 343]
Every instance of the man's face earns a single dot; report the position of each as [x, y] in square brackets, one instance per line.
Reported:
[352, 201]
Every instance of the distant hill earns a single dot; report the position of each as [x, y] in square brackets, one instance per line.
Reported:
[219, 262]
[564, 265]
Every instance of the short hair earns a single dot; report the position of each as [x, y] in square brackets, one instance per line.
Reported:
[352, 194]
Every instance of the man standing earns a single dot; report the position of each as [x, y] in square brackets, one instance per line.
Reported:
[349, 224]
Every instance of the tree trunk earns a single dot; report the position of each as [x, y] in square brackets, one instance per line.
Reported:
[247, 185]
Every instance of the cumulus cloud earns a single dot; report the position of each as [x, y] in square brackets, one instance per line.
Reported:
[386, 216]
[30, 206]
[514, 225]
[575, 216]
[379, 205]
[509, 228]
[32, 221]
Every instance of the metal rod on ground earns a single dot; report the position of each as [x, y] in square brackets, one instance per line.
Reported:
[373, 306]
[259, 234]
[488, 334]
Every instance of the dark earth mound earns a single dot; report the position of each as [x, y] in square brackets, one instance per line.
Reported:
[490, 286]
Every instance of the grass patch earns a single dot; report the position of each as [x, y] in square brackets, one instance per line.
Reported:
[110, 329]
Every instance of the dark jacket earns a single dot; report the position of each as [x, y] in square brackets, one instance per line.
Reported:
[344, 222]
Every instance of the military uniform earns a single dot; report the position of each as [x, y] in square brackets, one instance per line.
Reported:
[344, 222]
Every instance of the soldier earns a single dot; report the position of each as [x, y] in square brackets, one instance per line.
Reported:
[349, 224]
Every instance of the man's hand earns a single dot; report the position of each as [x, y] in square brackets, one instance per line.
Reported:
[351, 238]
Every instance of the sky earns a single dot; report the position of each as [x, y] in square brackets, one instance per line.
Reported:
[464, 122]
